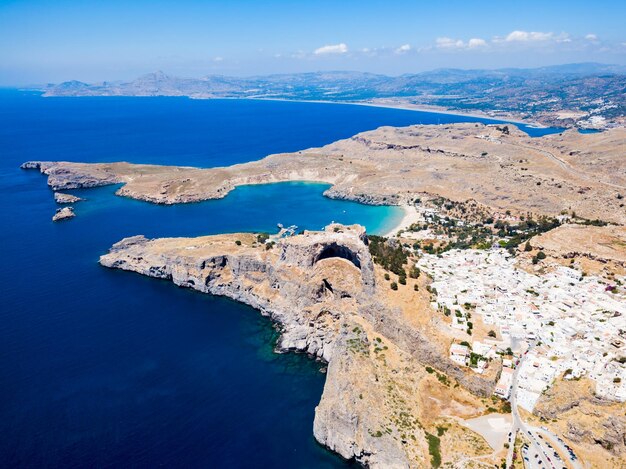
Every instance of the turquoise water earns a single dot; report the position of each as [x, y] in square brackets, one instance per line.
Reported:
[106, 368]
[246, 208]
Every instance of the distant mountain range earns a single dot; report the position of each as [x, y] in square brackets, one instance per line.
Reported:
[569, 94]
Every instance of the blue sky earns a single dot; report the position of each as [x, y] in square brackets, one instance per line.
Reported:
[52, 41]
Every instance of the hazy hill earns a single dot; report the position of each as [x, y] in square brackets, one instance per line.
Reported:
[563, 94]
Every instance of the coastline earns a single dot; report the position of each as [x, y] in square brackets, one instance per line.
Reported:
[410, 216]
[406, 107]
[403, 106]
[437, 110]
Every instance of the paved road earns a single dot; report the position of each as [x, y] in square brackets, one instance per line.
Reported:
[558, 445]
[532, 462]
[542, 460]
[545, 456]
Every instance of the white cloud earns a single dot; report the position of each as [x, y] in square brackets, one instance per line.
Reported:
[459, 44]
[515, 40]
[528, 36]
[448, 43]
[403, 49]
[218, 59]
[331, 49]
[563, 37]
[476, 42]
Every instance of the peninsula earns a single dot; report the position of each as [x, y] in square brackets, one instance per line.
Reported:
[498, 166]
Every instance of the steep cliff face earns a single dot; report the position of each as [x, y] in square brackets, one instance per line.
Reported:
[320, 288]
[79, 176]
[343, 422]
[292, 283]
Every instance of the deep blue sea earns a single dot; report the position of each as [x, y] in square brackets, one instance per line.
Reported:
[102, 368]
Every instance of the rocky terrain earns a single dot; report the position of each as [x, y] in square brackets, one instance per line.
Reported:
[322, 289]
[64, 213]
[498, 166]
[597, 248]
[596, 426]
[392, 397]
[61, 198]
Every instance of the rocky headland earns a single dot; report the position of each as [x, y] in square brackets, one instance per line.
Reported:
[498, 166]
[322, 289]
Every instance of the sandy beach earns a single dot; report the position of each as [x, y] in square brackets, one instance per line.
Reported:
[440, 110]
[410, 216]
[409, 107]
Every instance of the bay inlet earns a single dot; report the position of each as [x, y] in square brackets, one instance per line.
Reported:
[99, 367]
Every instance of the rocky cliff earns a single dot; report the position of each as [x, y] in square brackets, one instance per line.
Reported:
[320, 287]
